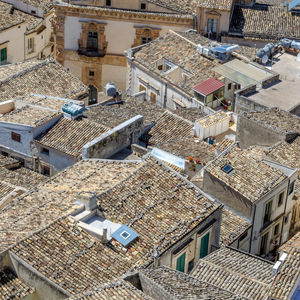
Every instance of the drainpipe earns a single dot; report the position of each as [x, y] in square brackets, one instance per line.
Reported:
[252, 228]
[165, 95]
[286, 200]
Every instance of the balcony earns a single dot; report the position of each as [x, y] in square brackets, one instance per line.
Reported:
[92, 52]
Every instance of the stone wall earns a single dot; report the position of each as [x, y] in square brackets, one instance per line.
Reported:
[250, 133]
[115, 139]
[243, 103]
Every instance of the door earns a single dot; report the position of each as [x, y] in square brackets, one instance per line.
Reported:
[180, 263]
[204, 245]
[264, 244]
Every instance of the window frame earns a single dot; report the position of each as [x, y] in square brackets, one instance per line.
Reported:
[2, 55]
[270, 212]
[280, 199]
[108, 3]
[30, 45]
[143, 6]
[291, 187]
[15, 136]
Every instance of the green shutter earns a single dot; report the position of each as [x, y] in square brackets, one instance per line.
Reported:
[180, 263]
[204, 245]
[3, 59]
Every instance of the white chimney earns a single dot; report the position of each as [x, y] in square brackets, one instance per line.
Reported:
[88, 199]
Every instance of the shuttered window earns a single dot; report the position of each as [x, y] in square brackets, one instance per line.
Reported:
[3, 56]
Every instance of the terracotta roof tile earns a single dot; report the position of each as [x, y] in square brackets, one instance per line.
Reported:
[241, 273]
[29, 115]
[216, 4]
[11, 287]
[45, 77]
[248, 173]
[69, 136]
[178, 285]
[7, 161]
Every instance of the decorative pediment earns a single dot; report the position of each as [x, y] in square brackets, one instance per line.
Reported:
[213, 12]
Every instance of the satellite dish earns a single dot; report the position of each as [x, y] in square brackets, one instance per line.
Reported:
[265, 59]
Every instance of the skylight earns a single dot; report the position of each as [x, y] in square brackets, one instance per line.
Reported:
[227, 169]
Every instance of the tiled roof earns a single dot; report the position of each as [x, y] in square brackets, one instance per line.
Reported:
[213, 119]
[269, 22]
[250, 177]
[11, 17]
[285, 153]
[191, 114]
[181, 50]
[181, 6]
[11, 287]
[29, 115]
[7, 161]
[5, 189]
[177, 50]
[169, 127]
[119, 289]
[22, 177]
[55, 197]
[45, 77]
[114, 115]
[179, 285]
[224, 144]
[69, 136]
[189, 146]
[241, 273]
[277, 119]
[289, 272]
[216, 4]
[144, 201]
[208, 86]
[46, 5]
[42, 100]
[232, 227]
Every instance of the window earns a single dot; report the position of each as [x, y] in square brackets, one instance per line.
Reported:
[92, 40]
[280, 199]
[204, 245]
[286, 219]
[108, 2]
[44, 151]
[291, 187]
[263, 244]
[191, 265]
[33, 12]
[91, 73]
[229, 86]
[243, 236]
[52, 48]
[267, 215]
[152, 97]
[180, 263]
[3, 56]
[30, 45]
[146, 40]
[45, 170]
[125, 235]
[276, 229]
[160, 67]
[142, 88]
[143, 5]
[16, 137]
[212, 25]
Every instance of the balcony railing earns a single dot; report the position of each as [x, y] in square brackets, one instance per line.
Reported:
[92, 52]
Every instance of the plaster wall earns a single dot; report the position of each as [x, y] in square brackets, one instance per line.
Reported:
[15, 38]
[251, 133]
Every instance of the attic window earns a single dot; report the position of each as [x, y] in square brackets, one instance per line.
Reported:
[227, 169]
[125, 235]
[143, 5]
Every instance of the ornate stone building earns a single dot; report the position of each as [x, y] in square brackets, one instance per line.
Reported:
[91, 40]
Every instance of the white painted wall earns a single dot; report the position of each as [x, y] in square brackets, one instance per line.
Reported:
[15, 36]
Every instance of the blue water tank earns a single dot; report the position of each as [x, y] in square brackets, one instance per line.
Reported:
[295, 45]
[72, 109]
[286, 42]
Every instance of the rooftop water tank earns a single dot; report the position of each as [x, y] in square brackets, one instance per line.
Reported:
[110, 89]
[72, 109]
[295, 45]
[286, 42]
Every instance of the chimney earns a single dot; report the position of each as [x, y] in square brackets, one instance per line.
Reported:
[88, 199]
[104, 236]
